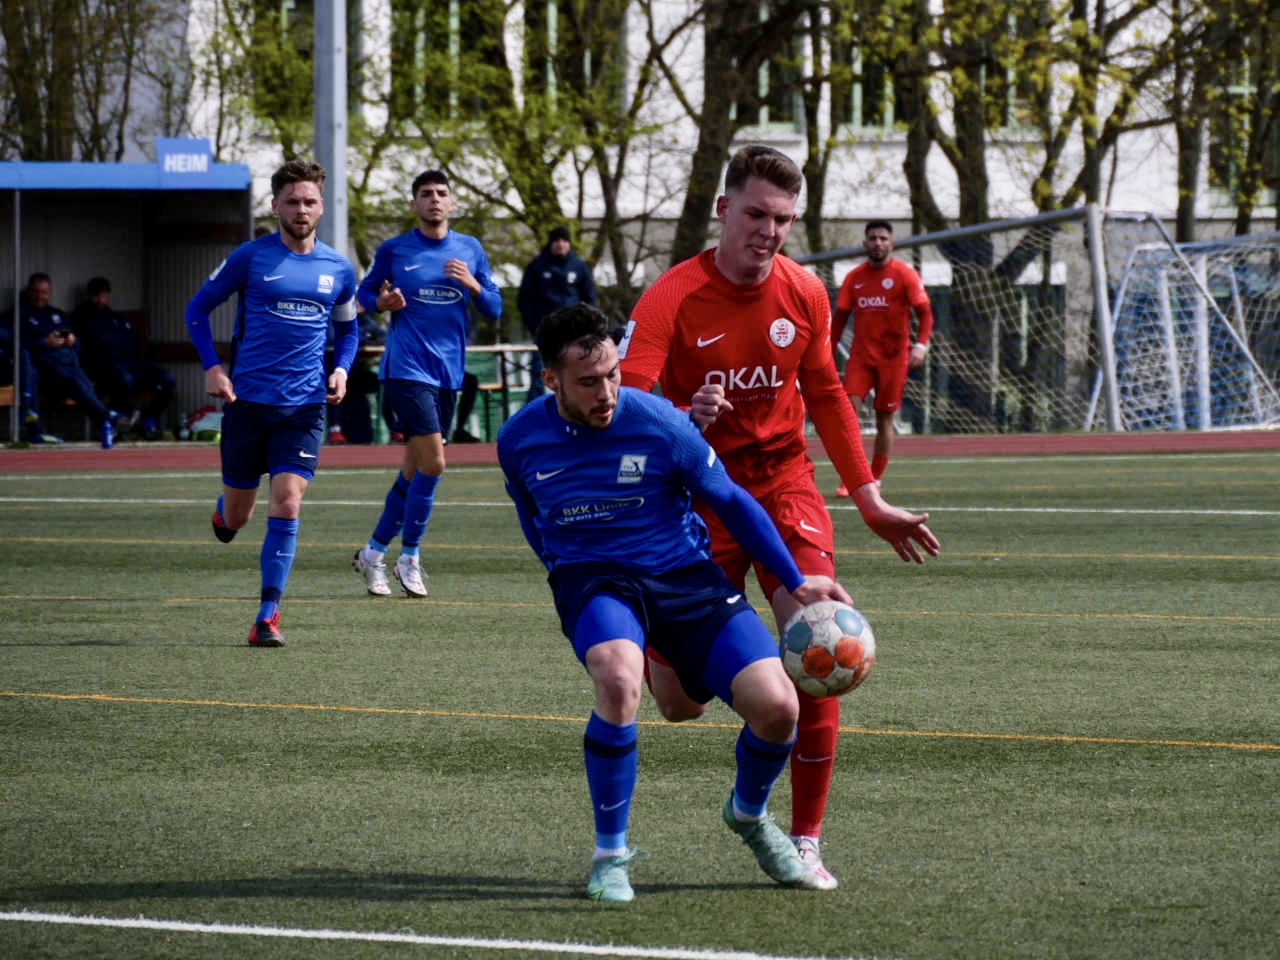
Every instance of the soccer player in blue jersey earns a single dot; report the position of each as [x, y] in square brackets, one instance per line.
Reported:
[288, 284]
[603, 477]
[426, 278]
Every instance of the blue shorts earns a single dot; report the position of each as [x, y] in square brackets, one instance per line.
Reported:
[690, 615]
[258, 438]
[417, 408]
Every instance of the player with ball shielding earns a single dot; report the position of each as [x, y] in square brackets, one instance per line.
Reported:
[739, 336]
[602, 478]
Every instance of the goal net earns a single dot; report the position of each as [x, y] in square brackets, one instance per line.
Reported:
[1191, 332]
[1013, 347]
[1196, 333]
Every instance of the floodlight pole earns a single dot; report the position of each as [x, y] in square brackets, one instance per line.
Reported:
[329, 82]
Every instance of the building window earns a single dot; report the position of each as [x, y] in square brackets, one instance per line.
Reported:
[1231, 135]
[776, 99]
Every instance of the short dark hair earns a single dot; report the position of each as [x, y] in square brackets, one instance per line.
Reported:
[297, 171]
[770, 165]
[878, 225]
[428, 176]
[40, 277]
[581, 325]
[97, 285]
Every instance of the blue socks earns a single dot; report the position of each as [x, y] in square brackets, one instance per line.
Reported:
[417, 511]
[609, 752]
[388, 527]
[760, 763]
[276, 560]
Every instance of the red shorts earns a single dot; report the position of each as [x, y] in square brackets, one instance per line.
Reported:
[800, 513]
[887, 377]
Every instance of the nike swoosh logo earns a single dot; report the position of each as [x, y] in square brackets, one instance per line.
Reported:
[549, 474]
[734, 599]
[612, 806]
[287, 556]
[857, 286]
[274, 276]
[708, 342]
[411, 267]
[808, 526]
[306, 456]
[803, 759]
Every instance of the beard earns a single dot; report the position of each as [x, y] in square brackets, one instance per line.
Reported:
[298, 232]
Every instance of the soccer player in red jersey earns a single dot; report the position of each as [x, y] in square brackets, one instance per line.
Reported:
[880, 294]
[740, 336]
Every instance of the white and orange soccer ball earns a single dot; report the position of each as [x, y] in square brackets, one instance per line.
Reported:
[827, 648]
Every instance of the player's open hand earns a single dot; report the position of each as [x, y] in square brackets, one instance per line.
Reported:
[904, 531]
[816, 587]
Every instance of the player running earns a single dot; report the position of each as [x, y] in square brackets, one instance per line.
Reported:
[288, 284]
[730, 334]
[880, 294]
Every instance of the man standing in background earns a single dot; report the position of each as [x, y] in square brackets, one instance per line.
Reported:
[553, 279]
[880, 294]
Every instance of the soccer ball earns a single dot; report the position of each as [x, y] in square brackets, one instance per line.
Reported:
[827, 648]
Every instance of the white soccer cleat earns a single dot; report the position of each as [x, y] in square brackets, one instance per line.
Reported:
[373, 567]
[815, 876]
[409, 572]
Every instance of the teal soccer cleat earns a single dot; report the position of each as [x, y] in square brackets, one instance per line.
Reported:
[609, 882]
[773, 849]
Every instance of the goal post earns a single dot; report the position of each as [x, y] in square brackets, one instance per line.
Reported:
[1196, 330]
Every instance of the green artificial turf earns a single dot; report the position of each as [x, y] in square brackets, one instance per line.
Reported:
[1069, 747]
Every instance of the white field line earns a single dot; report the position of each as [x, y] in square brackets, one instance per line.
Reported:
[835, 508]
[476, 943]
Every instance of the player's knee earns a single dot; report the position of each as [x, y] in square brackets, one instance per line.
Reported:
[679, 710]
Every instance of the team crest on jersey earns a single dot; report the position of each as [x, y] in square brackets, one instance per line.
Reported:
[324, 283]
[782, 332]
[631, 469]
[887, 283]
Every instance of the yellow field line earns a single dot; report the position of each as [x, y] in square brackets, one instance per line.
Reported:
[546, 604]
[470, 715]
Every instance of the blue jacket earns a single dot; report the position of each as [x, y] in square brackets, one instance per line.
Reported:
[551, 282]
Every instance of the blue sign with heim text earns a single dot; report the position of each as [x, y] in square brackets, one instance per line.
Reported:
[182, 161]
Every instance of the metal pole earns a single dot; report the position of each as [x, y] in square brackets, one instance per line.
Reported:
[15, 411]
[1102, 315]
[329, 82]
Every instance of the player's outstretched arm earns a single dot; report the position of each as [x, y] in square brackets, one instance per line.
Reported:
[902, 529]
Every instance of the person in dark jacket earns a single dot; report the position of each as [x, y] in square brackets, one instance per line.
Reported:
[52, 345]
[111, 353]
[553, 279]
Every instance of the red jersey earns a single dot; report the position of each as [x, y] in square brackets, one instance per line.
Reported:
[768, 344]
[880, 299]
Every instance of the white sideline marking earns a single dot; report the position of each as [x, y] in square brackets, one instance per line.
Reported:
[539, 946]
[837, 507]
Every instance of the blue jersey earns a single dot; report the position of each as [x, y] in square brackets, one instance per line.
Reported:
[624, 494]
[427, 340]
[282, 318]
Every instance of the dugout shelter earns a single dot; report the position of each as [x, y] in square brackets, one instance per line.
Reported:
[156, 230]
